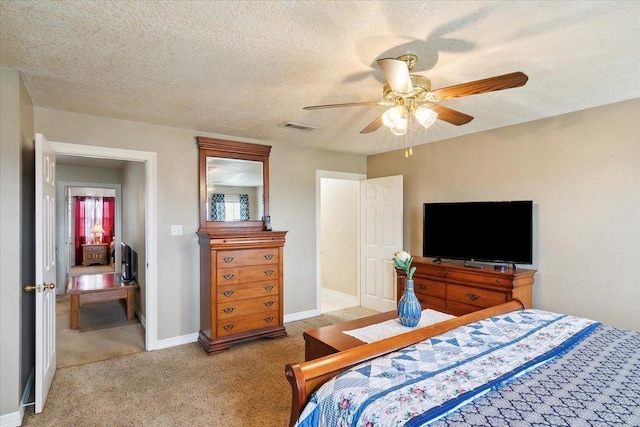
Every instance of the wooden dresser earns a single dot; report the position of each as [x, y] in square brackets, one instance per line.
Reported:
[452, 288]
[241, 286]
[95, 254]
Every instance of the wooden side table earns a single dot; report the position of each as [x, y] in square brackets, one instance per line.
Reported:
[95, 254]
[98, 288]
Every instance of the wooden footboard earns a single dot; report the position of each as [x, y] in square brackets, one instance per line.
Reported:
[306, 377]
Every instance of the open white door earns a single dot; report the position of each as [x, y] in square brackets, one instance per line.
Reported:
[45, 271]
[381, 236]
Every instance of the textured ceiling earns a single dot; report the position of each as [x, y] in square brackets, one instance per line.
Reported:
[242, 69]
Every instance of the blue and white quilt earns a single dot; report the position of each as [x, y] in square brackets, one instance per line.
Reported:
[424, 382]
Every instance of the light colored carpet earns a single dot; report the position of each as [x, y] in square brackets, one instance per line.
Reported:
[104, 333]
[183, 386]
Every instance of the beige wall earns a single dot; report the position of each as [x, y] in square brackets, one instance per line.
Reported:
[582, 171]
[292, 206]
[133, 219]
[339, 235]
[17, 245]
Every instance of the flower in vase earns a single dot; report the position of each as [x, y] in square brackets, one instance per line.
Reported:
[402, 260]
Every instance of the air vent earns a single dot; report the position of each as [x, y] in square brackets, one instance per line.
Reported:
[298, 126]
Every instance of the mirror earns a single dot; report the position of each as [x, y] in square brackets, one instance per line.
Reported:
[235, 189]
[234, 184]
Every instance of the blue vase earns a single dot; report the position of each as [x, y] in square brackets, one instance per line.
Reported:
[409, 309]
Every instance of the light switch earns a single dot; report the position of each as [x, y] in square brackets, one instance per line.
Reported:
[176, 230]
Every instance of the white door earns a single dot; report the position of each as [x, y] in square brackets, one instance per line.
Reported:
[381, 236]
[45, 270]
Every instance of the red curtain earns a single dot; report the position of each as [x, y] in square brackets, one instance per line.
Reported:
[108, 218]
[80, 236]
[84, 221]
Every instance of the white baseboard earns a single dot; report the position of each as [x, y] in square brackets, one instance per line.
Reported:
[301, 315]
[353, 299]
[141, 317]
[175, 341]
[13, 419]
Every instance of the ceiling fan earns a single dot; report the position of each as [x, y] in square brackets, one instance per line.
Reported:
[410, 95]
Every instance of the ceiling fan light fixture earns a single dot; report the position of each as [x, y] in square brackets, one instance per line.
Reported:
[425, 116]
[400, 127]
[391, 116]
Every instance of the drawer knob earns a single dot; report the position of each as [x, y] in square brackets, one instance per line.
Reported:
[268, 303]
[268, 319]
[473, 297]
[268, 256]
[228, 276]
[268, 288]
[422, 286]
[498, 281]
[228, 310]
[227, 259]
[448, 273]
[227, 327]
[228, 293]
[268, 272]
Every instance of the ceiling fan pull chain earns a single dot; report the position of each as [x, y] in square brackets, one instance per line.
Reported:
[406, 144]
[410, 137]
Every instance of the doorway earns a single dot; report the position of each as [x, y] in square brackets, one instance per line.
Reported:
[147, 178]
[69, 254]
[89, 225]
[338, 240]
[378, 234]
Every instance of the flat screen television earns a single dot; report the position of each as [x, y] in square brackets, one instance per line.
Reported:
[129, 259]
[498, 232]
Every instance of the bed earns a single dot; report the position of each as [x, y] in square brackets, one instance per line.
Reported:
[501, 366]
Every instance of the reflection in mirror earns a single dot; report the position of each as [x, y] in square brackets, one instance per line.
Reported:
[235, 189]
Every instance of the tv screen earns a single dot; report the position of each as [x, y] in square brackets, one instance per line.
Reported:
[479, 231]
[129, 259]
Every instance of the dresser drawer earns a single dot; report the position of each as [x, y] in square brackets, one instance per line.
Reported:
[438, 304]
[240, 324]
[247, 290]
[245, 307]
[430, 287]
[231, 276]
[226, 259]
[458, 309]
[473, 296]
[480, 279]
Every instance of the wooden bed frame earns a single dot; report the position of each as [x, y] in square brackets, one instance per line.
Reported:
[306, 377]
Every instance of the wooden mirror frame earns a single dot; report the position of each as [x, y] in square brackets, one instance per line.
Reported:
[211, 147]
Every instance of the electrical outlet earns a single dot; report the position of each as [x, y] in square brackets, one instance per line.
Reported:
[176, 230]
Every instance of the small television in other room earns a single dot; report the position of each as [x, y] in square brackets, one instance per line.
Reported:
[129, 259]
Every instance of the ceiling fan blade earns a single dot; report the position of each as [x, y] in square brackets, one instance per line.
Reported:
[373, 126]
[348, 104]
[451, 116]
[397, 74]
[491, 84]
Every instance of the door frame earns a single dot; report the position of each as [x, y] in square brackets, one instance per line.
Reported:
[151, 220]
[320, 174]
[62, 188]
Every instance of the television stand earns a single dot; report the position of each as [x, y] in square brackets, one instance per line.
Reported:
[453, 288]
